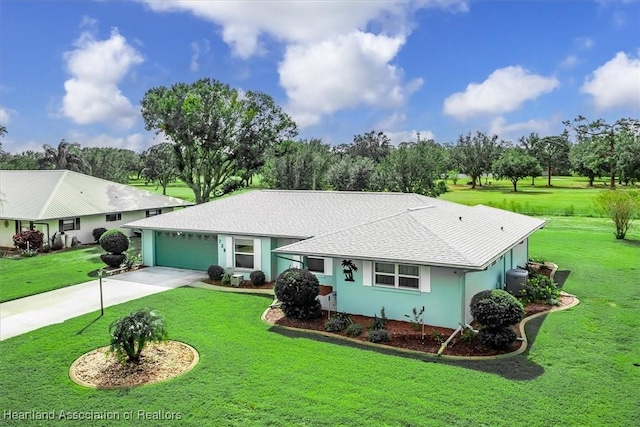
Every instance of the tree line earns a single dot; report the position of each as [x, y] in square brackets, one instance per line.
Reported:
[218, 138]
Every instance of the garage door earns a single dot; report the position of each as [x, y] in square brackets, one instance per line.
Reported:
[195, 251]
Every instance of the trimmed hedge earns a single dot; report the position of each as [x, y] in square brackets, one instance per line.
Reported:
[114, 241]
[496, 308]
[257, 277]
[113, 260]
[499, 338]
[297, 289]
[215, 272]
[97, 232]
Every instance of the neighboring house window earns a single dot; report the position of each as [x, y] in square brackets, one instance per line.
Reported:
[315, 265]
[114, 217]
[397, 275]
[153, 212]
[243, 253]
[69, 224]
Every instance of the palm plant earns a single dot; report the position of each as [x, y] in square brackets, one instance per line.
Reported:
[131, 333]
[66, 156]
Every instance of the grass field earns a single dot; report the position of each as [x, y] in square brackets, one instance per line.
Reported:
[579, 371]
[28, 276]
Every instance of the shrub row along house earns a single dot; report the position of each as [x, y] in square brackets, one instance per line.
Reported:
[62, 201]
[372, 249]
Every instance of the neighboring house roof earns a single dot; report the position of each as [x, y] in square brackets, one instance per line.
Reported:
[396, 227]
[49, 194]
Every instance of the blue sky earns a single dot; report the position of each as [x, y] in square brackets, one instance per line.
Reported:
[78, 69]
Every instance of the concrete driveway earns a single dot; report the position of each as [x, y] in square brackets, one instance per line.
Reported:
[29, 313]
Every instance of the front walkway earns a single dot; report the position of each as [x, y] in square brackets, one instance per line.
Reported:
[30, 313]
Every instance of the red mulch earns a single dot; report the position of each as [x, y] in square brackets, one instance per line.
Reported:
[247, 284]
[403, 335]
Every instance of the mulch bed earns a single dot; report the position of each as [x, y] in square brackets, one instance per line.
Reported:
[247, 284]
[403, 335]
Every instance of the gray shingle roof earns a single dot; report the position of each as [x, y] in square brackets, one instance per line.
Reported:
[383, 226]
[50, 194]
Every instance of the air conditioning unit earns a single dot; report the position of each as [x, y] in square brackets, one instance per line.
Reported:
[237, 279]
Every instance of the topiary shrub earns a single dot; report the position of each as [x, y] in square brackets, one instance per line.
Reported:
[113, 260]
[114, 241]
[215, 272]
[498, 338]
[379, 335]
[258, 278]
[297, 289]
[353, 330]
[97, 232]
[496, 308]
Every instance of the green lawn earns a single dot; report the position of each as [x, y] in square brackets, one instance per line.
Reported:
[567, 196]
[21, 277]
[579, 371]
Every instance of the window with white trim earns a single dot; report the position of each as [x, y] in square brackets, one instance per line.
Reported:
[243, 253]
[315, 264]
[69, 224]
[113, 217]
[400, 276]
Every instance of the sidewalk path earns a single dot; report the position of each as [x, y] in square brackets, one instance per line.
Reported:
[29, 313]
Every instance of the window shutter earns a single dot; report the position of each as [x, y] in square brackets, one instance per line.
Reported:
[425, 278]
[60, 226]
[367, 273]
[228, 244]
[77, 224]
[328, 266]
[257, 254]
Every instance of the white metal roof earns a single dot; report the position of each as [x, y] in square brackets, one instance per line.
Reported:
[383, 226]
[49, 194]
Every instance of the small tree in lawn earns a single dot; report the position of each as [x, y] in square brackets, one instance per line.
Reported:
[515, 164]
[622, 207]
[131, 333]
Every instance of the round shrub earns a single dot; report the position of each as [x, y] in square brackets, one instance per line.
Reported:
[496, 308]
[297, 289]
[353, 330]
[215, 272]
[97, 232]
[257, 277]
[114, 241]
[379, 335]
[113, 260]
[498, 338]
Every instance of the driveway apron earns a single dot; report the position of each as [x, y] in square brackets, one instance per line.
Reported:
[29, 313]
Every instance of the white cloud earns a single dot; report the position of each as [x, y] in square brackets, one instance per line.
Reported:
[616, 83]
[409, 136]
[96, 68]
[136, 141]
[392, 121]
[333, 60]
[504, 130]
[506, 89]
[585, 43]
[197, 49]
[5, 116]
[569, 62]
[344, 72]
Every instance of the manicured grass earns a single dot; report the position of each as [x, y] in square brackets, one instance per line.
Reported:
[21, 277]
[568, 196]
[579, 371]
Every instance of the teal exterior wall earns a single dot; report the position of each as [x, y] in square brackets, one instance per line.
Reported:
[491, 278]
[195, 251]
[442, 302]
[148, 247]
[521, 254]
[263, 258]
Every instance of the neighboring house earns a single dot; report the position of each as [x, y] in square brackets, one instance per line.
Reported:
[55, 201]
[374, 249]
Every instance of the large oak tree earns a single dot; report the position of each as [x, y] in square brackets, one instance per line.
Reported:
[216, 129]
